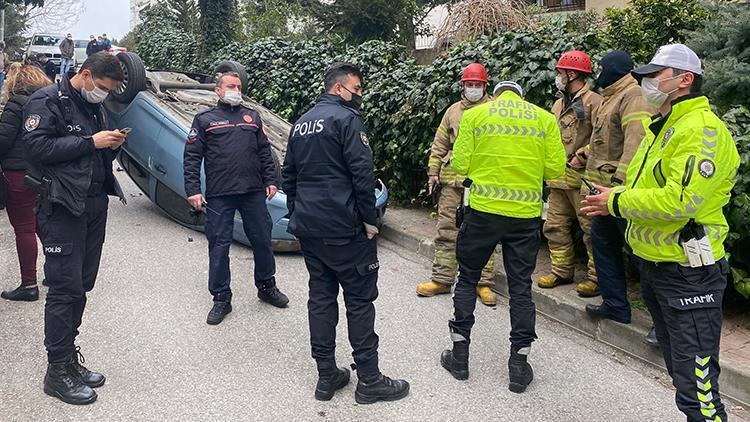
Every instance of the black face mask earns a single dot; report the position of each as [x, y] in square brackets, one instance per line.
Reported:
[355, 102]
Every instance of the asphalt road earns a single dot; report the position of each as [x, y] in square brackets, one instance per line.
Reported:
[145, 329]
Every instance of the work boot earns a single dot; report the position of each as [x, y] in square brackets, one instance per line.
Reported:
[651, 339]
[380, 389]
[273, 296]
[431, 288]
[486, 295]
[588, 288]
[218, 312]
[551, 280]
[328, 384]
[600, 311]
[90, 378]
[519, 373]
[456, 361]
[26, 292]
[62, 382]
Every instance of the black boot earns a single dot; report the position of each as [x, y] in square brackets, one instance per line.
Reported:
[651, 339]
[90, 378]
[222, 307]
[329, 383]
[26, 292]
[272, 295]
[519, 373]
[61, 382]
[380, 389]
[457, 360]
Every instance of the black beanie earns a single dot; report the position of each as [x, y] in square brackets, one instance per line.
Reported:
[615, 65]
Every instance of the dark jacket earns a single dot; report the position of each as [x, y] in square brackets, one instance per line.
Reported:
[11, 132]
[49, 69]
[234, 150]
[58, 125]
[328, 172]
[105, 45]
[67, 48]
[92, 48]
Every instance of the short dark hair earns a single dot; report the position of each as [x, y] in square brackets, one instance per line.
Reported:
[337, 72]
[221, 77]
[697, 85]
[104, 65]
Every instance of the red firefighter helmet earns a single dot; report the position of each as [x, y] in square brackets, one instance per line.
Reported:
[575, 60]
[474, 72]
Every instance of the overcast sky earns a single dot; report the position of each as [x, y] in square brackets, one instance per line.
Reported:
[101, 16]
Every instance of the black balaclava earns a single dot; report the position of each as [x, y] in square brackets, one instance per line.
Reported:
[615, 65]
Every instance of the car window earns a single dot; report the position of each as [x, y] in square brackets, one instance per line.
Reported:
[177, 206]
[46, 40]
[80, 43]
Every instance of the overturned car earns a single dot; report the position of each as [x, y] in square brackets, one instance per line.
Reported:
[160, 106]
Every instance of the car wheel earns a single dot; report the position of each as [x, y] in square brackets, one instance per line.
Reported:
[232, 66]
[135, 78]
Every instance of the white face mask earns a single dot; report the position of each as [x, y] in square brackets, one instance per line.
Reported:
[233, 98]
[473, 94]
[94, 96]
[652, 94]
[559, 84]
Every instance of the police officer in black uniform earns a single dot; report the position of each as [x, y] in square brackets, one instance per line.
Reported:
[240, 174]
[329, 183]
[70, 153]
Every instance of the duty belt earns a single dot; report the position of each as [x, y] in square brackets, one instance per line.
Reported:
[96, 189]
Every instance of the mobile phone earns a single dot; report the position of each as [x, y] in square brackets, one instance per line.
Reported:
[592, 189]
[126, 130]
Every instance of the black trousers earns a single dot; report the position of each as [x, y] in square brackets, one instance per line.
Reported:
[477, 238]
[685, 305]
[219, 232]
[608, 239]
[72, 248]
[352, 263]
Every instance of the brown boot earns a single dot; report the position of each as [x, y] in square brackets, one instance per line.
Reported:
[432, 288]
[551, 280]
[487, 296]
[588, 288]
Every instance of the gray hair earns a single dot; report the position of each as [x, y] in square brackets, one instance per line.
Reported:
[221, 77]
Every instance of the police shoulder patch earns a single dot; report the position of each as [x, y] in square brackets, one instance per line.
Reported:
[667, 135]
[32, 122]
[706, 168]
[192, 135]
[364, 138]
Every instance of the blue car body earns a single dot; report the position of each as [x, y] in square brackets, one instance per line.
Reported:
[153, 156]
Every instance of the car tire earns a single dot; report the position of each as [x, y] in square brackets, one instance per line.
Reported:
[233, 66]
[135, 78]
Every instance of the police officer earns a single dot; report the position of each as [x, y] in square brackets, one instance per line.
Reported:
[575, 111]
[619, 127]
[507, 147]
[70, 153]
[229, 140]
[442, 176]
[677, 183]
[329, 183]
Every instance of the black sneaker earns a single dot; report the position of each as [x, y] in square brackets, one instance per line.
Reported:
[22, 293]
[273, 296]
[519, 373]
[328, 385]
[90, 378]
[382, 389]
[218, 312]
[61, 382]
[456, 361]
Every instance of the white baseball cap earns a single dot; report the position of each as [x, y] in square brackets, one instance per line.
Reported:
[508, 85]
[676, 56]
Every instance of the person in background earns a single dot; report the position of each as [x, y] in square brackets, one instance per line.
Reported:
[67, 51]
[3, 62]
[106, 44]
[92, 47]
[20, 200]
[48, 67]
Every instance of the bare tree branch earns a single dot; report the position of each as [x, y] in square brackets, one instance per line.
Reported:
[54, 15]
[470, 19]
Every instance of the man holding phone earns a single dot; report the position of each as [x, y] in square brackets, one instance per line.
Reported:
[229, 141]
[70, 153]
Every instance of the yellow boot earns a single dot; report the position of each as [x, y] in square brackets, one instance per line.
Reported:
[588, 288]
[487, 296]
[431, 288]
[549, 281]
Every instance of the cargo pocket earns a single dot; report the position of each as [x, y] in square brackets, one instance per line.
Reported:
[59, 268]
[368, 268]
[57, 249]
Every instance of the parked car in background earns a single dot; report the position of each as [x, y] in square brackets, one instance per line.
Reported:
[47, 44]
[160, 106]
[80, 49]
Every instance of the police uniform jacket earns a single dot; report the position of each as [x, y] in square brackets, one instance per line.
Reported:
[234, 149]
[58, 126]
[328, 172]
[11, 131]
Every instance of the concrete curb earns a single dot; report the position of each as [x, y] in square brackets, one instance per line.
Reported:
[569, 309]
